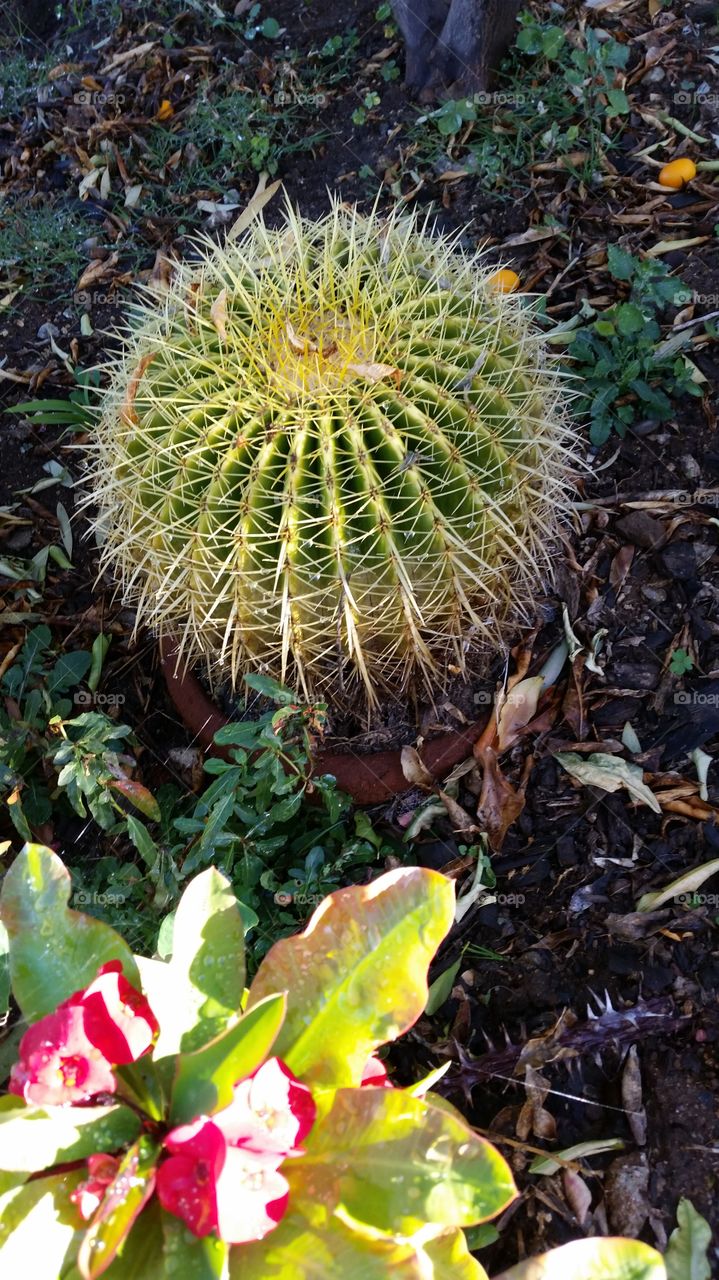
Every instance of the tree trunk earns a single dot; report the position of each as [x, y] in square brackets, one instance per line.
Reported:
[453, 45]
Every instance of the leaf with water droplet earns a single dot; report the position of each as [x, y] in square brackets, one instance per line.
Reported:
[357, 977]
[199, 990]
[396, 1163]
[205, 1079]
[39, 1227]
[33, 1138]
[124, 1200]
[54, 951]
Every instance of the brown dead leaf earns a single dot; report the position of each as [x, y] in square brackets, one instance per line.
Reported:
[460, 819]
[301, 345]
[579, 1197]
[127, 412]
[376, 372]
[632, 1097]
[499, 804]
[414, 769]
[518, 708]
[533, 1118]
[620, 566]
[97, 271]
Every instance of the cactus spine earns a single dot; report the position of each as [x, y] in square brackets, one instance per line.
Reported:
[332, 450]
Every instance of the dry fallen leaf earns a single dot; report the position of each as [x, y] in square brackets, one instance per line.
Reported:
[127, 412]
[533, 1118]
[609, 773]
[413, 768]
[218, 314]
[632, 1097]
[376, 372]
[518, 708]
[499, 804]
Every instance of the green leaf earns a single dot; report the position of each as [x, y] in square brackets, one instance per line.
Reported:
[39, 1227]
[137, 795]
[100, 646]
[239, 733]
[270, 28]
[204, 981]
[630, 319]
[441, 988]
[395, 1162]
[68, 671]
[54, 951]
[187, 1258]
[451, 1259]
[596, 1259]
[270, 688]
[295, 1250]
[32, 1138]
[205, 1079]
[357, 977]
[124, 1200]
[621, 264]
[140, 1256]
[680, 662]
[686, 1257]
[618, 102]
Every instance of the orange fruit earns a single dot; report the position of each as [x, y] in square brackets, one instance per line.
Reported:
[678, 173]
[504, 281]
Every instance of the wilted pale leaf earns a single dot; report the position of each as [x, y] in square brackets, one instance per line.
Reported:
[609, 773]
[687, 884]
[594, 1259]
[518, 708]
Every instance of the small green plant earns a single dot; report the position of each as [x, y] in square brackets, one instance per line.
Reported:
[627, 373]
[47, 755]
[333, 450]
[283, 837]
[164, 1121]
[78, 413]
[369, 102]
[560, 109]
[20, 79]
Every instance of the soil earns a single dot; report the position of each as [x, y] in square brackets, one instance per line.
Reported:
[639, 569]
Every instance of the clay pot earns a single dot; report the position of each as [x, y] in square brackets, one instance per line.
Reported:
[368, 779]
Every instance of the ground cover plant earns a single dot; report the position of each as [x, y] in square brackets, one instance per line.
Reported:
[572, 1005]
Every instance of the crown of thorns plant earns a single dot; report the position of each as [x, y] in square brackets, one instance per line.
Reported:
[333, 450]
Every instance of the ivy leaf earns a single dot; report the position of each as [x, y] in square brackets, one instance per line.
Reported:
[396, 1162]
[54, 951]
[357, 977]
[205, 1079]
[32, 1138]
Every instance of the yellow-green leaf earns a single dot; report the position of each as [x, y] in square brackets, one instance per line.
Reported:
[595, 1259]
[357, 977]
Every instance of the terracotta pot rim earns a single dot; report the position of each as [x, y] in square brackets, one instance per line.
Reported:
[369, 779]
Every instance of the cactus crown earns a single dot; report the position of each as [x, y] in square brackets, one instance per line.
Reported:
[333, 450]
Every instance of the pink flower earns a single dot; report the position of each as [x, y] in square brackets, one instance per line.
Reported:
[222, 1173]
[375, 1074]
[88, 1196]
[58, 1063]
[270, 1112]
[212, 1186]
[68, 1056]
[118, 1018]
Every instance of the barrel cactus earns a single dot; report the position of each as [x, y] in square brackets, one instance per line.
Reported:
[334, 452]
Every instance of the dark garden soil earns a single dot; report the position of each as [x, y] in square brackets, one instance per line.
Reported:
[572, 1017]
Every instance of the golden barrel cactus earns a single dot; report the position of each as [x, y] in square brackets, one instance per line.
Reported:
[335, 450]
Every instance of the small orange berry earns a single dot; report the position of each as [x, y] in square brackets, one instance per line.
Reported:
[504, 281]
[678, 173]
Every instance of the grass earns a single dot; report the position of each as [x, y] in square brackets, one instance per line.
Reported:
[20, 78]
[40, 246]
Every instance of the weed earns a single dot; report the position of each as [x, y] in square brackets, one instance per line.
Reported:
[561, 111]
[45, 756]
[626, 372]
